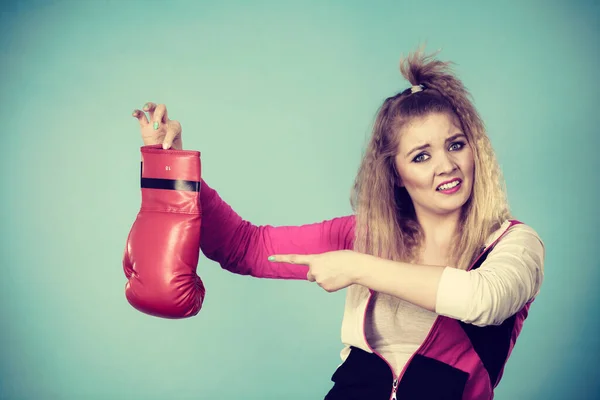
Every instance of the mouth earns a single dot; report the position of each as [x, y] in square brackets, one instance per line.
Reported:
[450, 186]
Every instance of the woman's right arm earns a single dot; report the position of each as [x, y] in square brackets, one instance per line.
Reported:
[243, 248]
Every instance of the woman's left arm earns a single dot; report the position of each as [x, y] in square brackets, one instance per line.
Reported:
[510, 277]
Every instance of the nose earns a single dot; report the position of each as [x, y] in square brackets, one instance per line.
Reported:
[446, 164]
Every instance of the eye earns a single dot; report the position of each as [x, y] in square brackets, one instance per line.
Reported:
[420, 158]
[457, 146]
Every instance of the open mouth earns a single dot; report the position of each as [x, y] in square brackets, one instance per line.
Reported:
[450, 186]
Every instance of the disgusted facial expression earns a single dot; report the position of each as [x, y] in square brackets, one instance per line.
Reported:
[435, 164]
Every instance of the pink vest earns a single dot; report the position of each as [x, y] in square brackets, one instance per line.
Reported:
[456, 361]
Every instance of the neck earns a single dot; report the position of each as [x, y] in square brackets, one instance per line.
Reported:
[439, 230]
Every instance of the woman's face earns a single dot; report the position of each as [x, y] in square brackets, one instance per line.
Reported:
[435, 164]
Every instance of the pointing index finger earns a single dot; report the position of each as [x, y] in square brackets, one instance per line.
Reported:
[291, 258]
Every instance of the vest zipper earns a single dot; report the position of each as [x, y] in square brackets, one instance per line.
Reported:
[394, 388]
[396, 380]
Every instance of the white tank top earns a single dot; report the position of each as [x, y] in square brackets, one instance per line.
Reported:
[395, 328]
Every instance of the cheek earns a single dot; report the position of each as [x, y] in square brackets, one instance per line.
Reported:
[467, 162]
[471, 163]
[415, 177]
[421, 181]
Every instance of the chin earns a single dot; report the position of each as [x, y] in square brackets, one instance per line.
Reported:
[452, 207]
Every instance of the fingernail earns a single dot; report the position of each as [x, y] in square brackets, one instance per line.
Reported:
[271, 258]
[134, 113]
[155, 125]
[146, 106]
[165, 146]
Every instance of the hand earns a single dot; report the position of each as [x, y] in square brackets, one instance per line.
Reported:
[332, 271]
[159, 129]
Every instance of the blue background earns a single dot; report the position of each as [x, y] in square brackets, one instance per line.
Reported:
[279, 97]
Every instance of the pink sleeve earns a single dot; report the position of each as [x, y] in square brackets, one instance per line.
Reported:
[243, 248]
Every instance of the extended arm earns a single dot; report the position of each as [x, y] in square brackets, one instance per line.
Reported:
[243, 248]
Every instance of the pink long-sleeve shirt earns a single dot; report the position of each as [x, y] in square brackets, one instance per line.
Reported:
[243, 248]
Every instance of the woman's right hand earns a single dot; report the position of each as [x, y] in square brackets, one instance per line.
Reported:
[158, 129]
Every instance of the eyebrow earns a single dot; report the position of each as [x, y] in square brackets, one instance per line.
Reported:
[426, 145]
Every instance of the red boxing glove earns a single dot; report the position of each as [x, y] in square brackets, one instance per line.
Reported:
[163, 246]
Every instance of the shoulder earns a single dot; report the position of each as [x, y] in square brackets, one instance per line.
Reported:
[345, 227]
[517, 239]
[514, 230]
[346, 222]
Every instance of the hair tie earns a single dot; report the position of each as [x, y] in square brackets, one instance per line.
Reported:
[417, 88]
[414, 89]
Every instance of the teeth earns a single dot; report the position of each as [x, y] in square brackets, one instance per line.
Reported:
[449, 185]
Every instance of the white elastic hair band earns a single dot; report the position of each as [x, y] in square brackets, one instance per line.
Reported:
[416, 88]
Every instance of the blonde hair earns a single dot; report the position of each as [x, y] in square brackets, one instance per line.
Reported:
[386, 225]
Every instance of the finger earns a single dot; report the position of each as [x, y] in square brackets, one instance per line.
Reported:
[291, 259]
[160, 116]
[310, 277]
[160, 113]
[141, 117]
[173, 133]
[149, 107]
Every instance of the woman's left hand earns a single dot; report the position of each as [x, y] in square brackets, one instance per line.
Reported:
[332, 271]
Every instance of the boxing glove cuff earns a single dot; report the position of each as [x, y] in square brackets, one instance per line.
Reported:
[177, 172]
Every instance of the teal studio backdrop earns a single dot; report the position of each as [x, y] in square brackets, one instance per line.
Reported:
[279, 98]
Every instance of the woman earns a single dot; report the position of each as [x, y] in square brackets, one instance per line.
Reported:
[439, 277]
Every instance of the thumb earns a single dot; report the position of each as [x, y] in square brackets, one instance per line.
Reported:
[173, 132]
